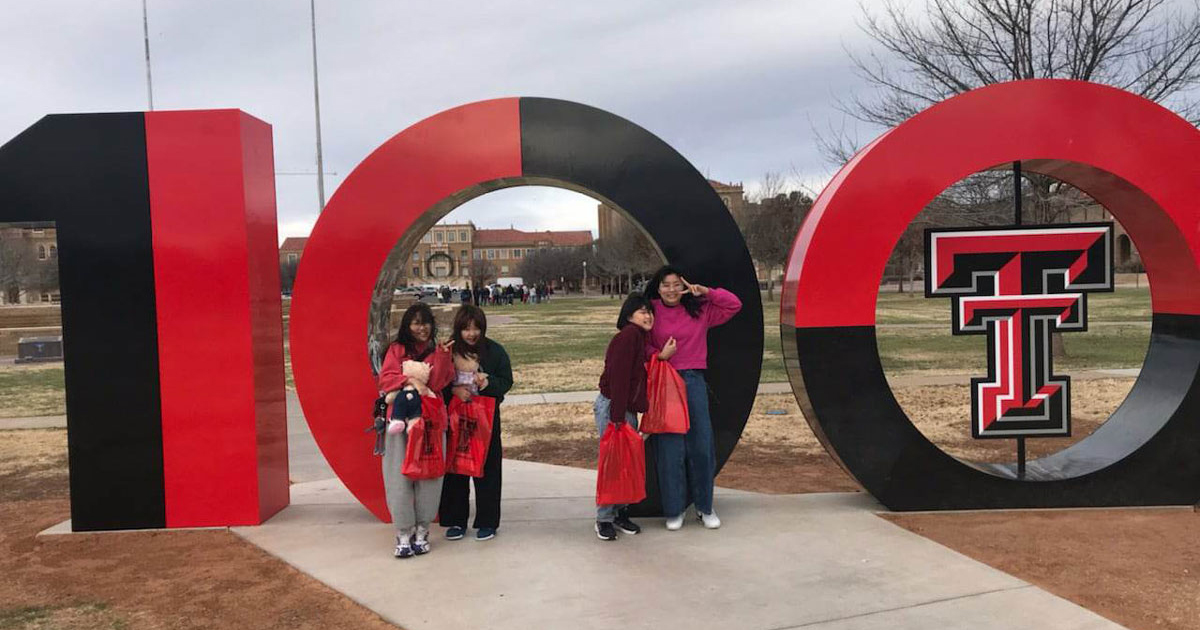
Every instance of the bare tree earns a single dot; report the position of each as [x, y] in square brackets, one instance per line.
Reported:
[619, 259]
[1148, 47]
[770, 222]
[483, 271]
[18, 266]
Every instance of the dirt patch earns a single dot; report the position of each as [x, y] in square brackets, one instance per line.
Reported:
[205, 579]
[33, 465]
[1140, 568]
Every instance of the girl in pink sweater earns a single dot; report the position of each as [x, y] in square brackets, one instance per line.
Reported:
[683, 313]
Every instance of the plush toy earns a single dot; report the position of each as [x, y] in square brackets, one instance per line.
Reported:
[467, 374]
[408, 400]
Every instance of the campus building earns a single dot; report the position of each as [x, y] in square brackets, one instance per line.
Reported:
[28, 264]
[447, 252]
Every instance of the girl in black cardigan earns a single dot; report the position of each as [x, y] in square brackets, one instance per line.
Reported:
[494, 378]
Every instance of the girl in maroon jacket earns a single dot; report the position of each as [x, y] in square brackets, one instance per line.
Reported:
[412, 503]
[623, 394]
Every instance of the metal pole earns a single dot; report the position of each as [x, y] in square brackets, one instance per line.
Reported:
[312, 6]
[1017, 192]
[1017, 221]
[1020, 458]
[146, 40]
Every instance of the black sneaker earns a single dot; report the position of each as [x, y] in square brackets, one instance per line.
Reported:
[455, 533]
[606, 531]
[624, 524]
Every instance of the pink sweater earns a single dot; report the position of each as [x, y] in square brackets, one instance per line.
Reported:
[691, 334]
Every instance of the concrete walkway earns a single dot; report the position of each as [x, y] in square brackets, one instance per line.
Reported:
[793, 561]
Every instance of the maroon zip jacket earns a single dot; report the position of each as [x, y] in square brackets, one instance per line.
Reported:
[624, 378]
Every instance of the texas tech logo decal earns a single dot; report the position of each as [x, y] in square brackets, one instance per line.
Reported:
[1019, 285]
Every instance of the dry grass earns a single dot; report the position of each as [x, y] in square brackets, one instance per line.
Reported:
[557, 376]
[943, 414]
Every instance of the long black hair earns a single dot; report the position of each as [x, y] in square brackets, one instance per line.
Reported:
[421, 313]
[633, 304]
[468, 313]
[690, 302]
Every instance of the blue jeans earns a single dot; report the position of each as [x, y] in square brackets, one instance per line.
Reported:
[687, 463]
[601, 409]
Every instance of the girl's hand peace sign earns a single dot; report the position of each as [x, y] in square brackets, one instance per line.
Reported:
[698, 290]
[446, 346]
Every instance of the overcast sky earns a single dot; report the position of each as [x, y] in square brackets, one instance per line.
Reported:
[735, 86]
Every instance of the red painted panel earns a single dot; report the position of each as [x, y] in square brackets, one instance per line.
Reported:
[266, 316]
[1132, 155]
[211, 186]
[342, 260]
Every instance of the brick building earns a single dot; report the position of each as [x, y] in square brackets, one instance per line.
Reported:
[29, 257]
[446, 253]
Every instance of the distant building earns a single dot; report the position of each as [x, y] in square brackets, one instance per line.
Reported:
[447, 252]
[292, 248]
[29, 257]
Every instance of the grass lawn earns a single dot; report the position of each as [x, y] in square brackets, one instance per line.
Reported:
[31, 390]
[559, 345]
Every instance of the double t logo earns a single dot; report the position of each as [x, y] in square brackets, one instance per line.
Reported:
[1019, 285]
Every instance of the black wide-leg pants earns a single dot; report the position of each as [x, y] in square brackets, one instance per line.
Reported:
[455, 506]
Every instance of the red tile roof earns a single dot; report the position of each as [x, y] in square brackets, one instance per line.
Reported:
[293, 244]
[569, 238]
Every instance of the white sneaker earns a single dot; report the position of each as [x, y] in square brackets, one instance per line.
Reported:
[710, 520]
[675, 523]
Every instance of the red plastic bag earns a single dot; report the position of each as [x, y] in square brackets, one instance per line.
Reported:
[425, 457]
[621, 469]
[667, 394]
[470, 435]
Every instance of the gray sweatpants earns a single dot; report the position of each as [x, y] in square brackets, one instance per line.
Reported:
[413, 503]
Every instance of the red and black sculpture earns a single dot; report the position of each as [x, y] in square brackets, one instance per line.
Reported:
[168, 266]
[340, 303]
[1129, 154]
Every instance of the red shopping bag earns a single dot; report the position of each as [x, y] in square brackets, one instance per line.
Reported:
[667, 394]
[621, 470]
[425, 457]
[470, 435]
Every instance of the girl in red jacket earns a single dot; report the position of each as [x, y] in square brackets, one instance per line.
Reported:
[412, 503]
[623, 394]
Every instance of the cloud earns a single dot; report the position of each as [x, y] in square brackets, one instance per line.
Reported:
[735, 87]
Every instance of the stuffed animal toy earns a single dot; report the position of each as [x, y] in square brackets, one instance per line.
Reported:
[465, 370]
[408, 400]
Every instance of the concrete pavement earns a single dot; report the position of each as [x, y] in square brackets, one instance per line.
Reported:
[793, 561]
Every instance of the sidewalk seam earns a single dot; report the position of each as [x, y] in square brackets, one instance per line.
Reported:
[917, 605]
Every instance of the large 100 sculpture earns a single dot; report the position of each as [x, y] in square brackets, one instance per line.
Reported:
[175, 391]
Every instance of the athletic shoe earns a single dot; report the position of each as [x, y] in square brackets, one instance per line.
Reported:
[624, 524]
[420, 544]
[403, 547]
[606, 531]
[485, 533]
[710, 520]
[675, 522]
[455, 533]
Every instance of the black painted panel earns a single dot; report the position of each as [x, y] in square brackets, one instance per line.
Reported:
[595, 151]
[1145, 454]
[87, 173]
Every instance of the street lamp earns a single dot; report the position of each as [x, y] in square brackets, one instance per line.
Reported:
[585, 278]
